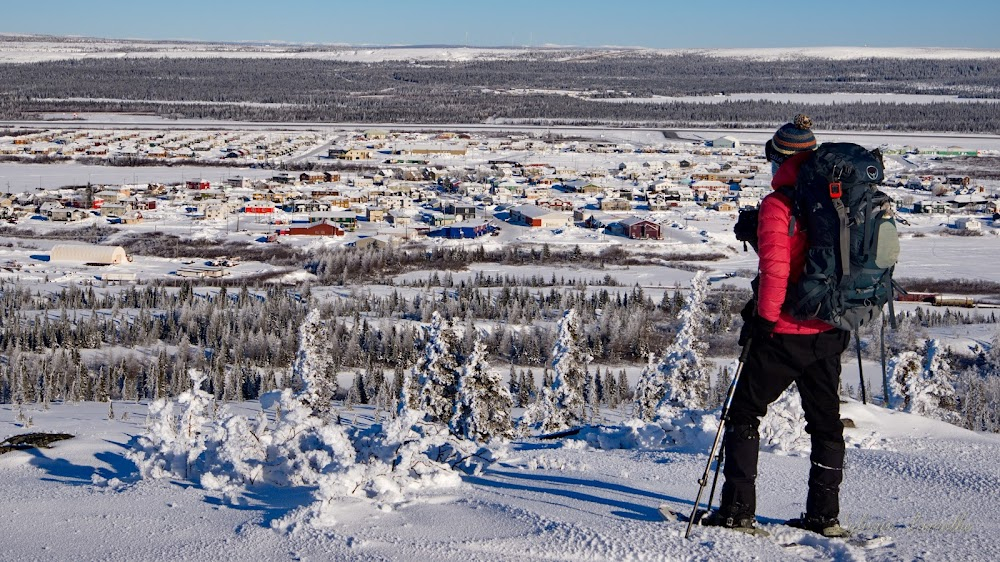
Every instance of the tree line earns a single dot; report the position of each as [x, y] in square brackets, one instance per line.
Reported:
[478, 91]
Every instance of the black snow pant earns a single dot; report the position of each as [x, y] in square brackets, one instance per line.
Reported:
[772, 365]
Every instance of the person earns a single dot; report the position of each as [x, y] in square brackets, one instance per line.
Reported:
[783, 350]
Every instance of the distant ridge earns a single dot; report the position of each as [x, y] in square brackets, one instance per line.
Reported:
[21, 48]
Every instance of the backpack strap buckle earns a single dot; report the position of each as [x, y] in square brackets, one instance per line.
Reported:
[836, 190]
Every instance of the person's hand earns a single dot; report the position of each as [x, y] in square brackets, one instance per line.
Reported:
[763, 328]
[754, 327]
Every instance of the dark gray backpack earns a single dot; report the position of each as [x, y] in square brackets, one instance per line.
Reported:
[853, 243]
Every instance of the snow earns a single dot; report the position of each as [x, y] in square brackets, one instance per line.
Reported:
[930, 490]
[69, 48]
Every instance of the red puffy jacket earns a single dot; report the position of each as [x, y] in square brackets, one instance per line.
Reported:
[782, 256]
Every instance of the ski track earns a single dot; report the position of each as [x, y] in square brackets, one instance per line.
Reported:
[930, 497]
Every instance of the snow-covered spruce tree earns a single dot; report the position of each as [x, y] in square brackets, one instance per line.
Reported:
[928, 390]
[436, 373]
[173, 444]
[301, 446]
[482, 409]
[783, 428]
[979, 387]
[648, 391]
[682, 379]
[905, 371]
[562, 405]
[311, 371]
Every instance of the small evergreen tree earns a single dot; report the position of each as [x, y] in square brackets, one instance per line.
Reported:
[563, 404]
[433, 382]
[924, 384]
[482, 408]
[311, 368]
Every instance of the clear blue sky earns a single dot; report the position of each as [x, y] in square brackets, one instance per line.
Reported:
[646, 23]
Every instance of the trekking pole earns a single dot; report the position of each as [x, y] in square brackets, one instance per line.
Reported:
[861, 369]
[885, 376]
[715, 479]
[703, 481]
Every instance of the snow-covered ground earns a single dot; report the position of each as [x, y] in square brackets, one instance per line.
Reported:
[927, 490]
[85, 48]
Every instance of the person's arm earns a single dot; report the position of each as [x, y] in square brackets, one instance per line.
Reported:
[775, 253]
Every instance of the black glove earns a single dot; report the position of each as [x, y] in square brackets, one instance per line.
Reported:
[748, 314]
[764, 328]
[753, 325]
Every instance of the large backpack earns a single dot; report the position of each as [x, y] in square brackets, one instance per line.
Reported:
[853, 243]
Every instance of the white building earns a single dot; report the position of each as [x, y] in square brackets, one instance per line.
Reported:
[89, 254]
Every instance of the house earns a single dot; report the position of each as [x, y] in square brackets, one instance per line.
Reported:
[463, 230]
[438, 219]
[556, 204]
[968, 223]
[308, 206]
[462, 211]
[375, 214]
[67, 214]
[930, 207]
[399, 217]
[313, 177]
[533, 215]
[114, 210]
[215, 210]
[46, 208]
[356, 154]
[725, 207]
[372, 242]
[347, 220]
[615, 204]
[679, 193]
[200, 271]
[259, 208]
[285, 178]
[319, 228]
[131, 217]
[581, 186]
[704, 186]
[660, 202]
[636, 228]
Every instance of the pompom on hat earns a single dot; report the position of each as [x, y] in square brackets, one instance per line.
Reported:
[791, 138]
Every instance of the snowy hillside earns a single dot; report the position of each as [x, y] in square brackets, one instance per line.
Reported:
[923, 489]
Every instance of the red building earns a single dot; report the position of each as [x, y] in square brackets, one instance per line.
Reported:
[315, 229]
[638, 229]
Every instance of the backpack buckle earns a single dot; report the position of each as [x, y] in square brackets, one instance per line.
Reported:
[835, 190]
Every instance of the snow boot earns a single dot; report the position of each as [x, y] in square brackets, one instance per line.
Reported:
[828, 527]
[742, 523]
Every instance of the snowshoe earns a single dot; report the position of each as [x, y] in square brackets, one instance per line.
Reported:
[828, 527]
[743, 524]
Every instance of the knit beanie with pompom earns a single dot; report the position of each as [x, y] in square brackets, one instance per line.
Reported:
[791, 138]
